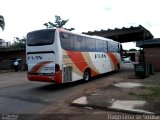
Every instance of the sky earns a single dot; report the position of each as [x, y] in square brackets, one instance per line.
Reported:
[23, 16]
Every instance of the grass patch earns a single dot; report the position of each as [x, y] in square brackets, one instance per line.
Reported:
[153, 95]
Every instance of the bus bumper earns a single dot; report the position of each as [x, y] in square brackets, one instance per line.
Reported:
[57, 78]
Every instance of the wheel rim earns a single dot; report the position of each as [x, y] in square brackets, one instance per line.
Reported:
[86, 76]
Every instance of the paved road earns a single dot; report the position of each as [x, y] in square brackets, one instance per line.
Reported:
[20, 96]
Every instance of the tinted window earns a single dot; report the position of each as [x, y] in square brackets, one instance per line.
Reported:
[112, 46]
[86, 44]
[80, 43]
[101, 46]
[66, 41]
[91, 44]
[41, 37]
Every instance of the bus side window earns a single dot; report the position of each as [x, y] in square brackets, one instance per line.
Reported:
[83, 46]
[91, 44]
[79, 43]
[66, 41]
[112, 47]
[116, 47]
[65, 35]
[101, 46]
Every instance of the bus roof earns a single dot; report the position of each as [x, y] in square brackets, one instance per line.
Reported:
[67, 31]
[94, 36]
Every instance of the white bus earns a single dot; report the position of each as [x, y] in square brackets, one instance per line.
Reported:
[60, 56]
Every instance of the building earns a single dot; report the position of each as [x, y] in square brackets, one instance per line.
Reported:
[151, 51]
[4, 44]
[7, 56]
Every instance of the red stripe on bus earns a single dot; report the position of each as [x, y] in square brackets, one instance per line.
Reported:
[39, 66]
[114, 58]
[80, 62]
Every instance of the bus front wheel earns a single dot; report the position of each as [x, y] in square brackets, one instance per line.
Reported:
[117, 67]
[86, 75]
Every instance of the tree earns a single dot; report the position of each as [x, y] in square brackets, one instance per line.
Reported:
[59, 23]
[2, 23]
[19, 43]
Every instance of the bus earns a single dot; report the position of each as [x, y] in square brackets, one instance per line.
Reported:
[60, 56]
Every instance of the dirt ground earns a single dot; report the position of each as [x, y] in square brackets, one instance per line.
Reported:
[63, 110]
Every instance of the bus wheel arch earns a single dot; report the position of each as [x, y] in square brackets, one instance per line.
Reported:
[87, 74]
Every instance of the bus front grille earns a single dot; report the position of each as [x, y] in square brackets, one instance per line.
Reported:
[67, 75]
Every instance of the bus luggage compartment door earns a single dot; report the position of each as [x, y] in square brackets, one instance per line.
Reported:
[67, 74]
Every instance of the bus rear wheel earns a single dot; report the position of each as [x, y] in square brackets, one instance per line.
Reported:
[86, 76]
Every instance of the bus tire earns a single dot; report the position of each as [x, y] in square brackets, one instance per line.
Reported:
[117, 67]
[86, 75]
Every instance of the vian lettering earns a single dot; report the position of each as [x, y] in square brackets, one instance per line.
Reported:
[100, 56]
[35, 57]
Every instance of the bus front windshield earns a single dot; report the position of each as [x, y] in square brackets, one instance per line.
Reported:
[40, 37]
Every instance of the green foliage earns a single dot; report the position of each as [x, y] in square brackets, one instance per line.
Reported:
[59, 23]
[2, 23]
[18, 43]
